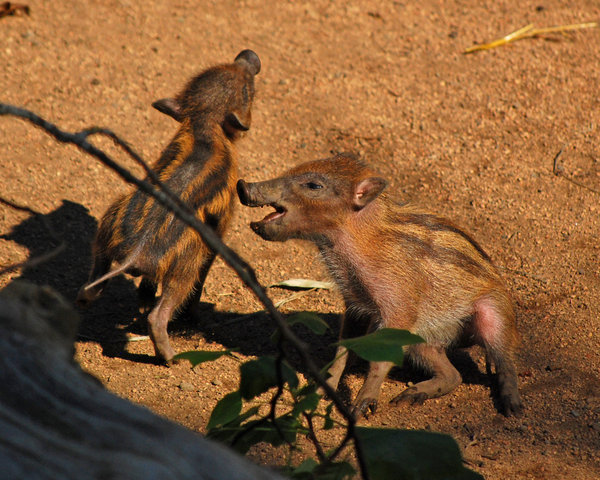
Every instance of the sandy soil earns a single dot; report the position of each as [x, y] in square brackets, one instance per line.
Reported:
[473, 137]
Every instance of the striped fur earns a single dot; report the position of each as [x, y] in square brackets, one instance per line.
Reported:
[139, 236]
[398, 265]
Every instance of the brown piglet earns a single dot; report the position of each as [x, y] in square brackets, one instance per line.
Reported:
[397, 266]
[140, 237]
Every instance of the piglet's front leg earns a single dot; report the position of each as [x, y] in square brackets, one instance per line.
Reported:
[351, 323]
[337, 369]
[368, 396]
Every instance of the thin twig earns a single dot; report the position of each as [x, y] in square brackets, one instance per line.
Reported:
[137, 338]
[349, 436]
[559, 171]
[313, 438]
[512, 235]
[558, 29]
[556, 168]
[272, 405]
[169, 200]
[579, 184]
[279, 392]
[529, 31]
[125, 146]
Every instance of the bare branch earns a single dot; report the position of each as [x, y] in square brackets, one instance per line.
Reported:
[313, 438]
[169, 200]
[279, 392]
[127, 149]
[349, 436]
[559, 171]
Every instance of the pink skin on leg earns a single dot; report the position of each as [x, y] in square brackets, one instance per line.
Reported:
[488, 323]
[490, 327]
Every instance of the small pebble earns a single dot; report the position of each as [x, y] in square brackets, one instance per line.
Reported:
[186, 387]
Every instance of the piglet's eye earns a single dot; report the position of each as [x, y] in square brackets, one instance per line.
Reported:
[313, 185]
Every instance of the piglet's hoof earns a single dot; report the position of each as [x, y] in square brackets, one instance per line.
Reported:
[511, 405]
[172, 361]
[165, 354]
[411, 396]
[85, 297]
[365, 407]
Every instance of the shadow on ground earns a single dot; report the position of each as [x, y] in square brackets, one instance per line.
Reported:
[67, 271]
[113, 318]
[72, 224]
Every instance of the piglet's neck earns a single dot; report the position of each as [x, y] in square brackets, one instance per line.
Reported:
[204, 129]
[358, 229]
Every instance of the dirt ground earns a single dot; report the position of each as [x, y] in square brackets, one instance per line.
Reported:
[473, 137]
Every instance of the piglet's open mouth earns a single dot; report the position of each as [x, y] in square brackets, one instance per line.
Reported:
[278, 213]
[260, 228]
[271, 217]
[250, 197]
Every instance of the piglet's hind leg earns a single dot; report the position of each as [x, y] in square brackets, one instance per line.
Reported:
[172, 297]
[496, 331]
[445, 377]
[158, 320]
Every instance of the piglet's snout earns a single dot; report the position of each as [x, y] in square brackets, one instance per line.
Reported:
[243, 193]
[254, 194]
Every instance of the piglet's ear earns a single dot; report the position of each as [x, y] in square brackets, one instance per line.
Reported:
[170, 107]
[367, 190]
[238, 121]
[249, 60]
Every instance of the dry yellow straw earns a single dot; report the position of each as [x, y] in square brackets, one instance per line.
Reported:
[528, 32]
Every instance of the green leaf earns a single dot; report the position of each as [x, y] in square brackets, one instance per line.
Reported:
[384, 345]
[258, 376]
[226, 433]
[303, 284]
[228, 408]
[309, 469]
[306, 390]
[201, 356]
[334, 471]
[412, 455]
[310, 320]
[263, 430]
[305, 469]
[328, 420]
[307, 404]
[249, 413]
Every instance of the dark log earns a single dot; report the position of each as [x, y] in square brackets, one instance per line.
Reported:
[56, 421]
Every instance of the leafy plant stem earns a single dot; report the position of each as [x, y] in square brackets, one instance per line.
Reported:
[169, 200]
[313, 438]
